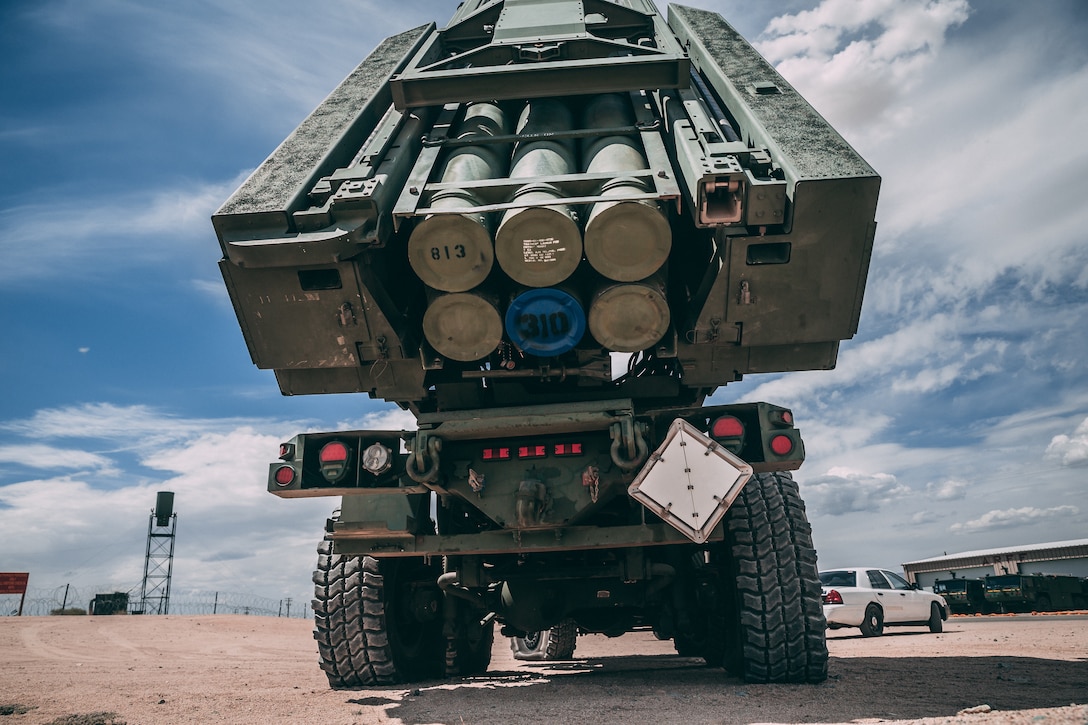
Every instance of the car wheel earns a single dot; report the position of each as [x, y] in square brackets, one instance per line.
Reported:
[936, 624]
[873, 624]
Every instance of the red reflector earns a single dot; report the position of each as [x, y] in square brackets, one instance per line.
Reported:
[832, 597]
[782, 445]
[787, 417]
[726, 427]
[285, 475]
[568, 449]
[335, 452]
[532, 451]
[496, 454]
[287, 450]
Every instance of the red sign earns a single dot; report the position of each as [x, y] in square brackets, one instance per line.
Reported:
[13, 582]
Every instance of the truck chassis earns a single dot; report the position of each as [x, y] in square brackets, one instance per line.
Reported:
[473, 225]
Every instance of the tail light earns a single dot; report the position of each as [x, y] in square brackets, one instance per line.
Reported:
[496, 454]
[333, 459]
[729, 431]
[284, 476]
[782, 445]
[726, 426]
[832, 597]
[531, 451]
[781, 417]
[568, 449]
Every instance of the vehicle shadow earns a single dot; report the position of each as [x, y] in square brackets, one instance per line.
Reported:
[849, 634]
[668, 688]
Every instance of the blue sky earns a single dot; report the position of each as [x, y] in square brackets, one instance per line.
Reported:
[956, 420]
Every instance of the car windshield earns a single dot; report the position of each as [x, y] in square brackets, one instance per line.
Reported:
[838, 579]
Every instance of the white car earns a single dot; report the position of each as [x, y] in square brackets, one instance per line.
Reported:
[872, 598]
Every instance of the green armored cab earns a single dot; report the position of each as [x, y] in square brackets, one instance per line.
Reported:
[550, 230]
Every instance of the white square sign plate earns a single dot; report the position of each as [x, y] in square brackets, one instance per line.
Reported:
[690, 481]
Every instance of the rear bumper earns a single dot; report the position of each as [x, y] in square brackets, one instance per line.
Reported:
[844, 615]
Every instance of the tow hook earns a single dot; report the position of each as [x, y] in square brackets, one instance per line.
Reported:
[529, 502]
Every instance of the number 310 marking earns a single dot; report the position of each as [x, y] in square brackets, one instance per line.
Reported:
[532, 327]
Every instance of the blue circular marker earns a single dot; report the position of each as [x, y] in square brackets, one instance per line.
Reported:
[545, 321]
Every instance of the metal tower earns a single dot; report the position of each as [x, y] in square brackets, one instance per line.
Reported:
[159, 559]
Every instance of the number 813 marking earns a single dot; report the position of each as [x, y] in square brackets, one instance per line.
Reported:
[438, 253]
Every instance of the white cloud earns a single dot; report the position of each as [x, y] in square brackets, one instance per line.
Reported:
[1070, 450]
[127, 425]
[1010, 518]
[923, 517]
[213, 289]
[37, 455]
[858, 61]
[232, 534]
[918, 356]
[239, 51]
[961, 203]
[59, 239]
[831, 436]
[841, 491]
[391, 419]
[948, 490]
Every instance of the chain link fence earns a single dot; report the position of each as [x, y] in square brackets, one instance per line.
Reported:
[40, 602]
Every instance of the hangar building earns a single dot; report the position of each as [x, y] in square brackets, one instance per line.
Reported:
[1057, 557]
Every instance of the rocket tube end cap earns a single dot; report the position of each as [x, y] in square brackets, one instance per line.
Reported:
[451, 252]
[538, 246]
[627, 241]
[462, 326]
[545, 322]
[629, 317]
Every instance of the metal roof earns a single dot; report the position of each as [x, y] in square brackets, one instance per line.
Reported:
[1079, 546]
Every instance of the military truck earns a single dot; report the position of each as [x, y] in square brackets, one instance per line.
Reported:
[114, 603]
[550, 230]
[964, 596]
[1033, 593]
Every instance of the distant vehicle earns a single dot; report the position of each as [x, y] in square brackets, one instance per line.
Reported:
[115, 603]
[874, 598]
[1034, 593]
[964, 596]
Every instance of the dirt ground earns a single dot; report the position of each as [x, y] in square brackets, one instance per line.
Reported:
[238, 669]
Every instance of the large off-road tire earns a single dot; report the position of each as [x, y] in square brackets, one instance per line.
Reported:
[377, 621]
[769, 623]
[557, 643]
